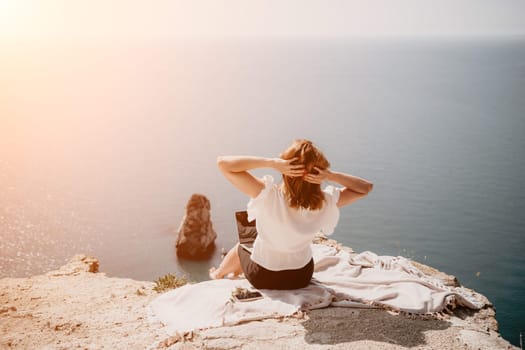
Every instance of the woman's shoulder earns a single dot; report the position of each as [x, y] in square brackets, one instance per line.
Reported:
[268, 190]
[268, 180]
[270, 186]
[331, 190]
[331, 194]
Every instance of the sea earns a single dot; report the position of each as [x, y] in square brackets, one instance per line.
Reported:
[103, 142]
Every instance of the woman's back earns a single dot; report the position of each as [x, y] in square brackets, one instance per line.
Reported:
[285, 233]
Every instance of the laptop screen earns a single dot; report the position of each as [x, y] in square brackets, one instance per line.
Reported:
[246, 229]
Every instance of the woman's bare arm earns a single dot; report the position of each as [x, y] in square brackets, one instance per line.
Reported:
[351, 182]
[355, 187]
[235, 169]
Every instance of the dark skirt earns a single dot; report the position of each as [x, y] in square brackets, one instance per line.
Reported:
[262, 278]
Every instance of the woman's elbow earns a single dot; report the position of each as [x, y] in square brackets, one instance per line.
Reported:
[220, 162]
[224, 163]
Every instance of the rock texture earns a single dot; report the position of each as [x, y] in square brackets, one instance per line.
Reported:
[196, 236]
[77, 307]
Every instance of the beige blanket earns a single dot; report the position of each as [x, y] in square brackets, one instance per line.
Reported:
[362, 280]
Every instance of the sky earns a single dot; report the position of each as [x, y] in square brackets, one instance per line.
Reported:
[132, 19]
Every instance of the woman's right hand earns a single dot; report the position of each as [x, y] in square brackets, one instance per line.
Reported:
[285, 167]
[322, 175]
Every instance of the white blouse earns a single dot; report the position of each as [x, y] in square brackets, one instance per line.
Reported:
[285, 233]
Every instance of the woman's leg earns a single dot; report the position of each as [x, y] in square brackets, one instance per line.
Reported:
[230, 264]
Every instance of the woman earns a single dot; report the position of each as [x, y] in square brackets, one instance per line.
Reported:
[288, 215]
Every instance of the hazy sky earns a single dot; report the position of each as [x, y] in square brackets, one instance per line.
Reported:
[198, 18]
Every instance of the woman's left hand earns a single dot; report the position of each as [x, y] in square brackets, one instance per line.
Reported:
[322, 175]
[287, 168]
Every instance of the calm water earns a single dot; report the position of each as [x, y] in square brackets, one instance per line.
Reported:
[101, 145]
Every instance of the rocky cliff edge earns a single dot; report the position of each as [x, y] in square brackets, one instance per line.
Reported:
[78, 307]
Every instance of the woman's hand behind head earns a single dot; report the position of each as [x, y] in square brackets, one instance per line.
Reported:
[317, 176]
[286, 167]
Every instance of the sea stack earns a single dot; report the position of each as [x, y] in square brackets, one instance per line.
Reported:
[196, 236]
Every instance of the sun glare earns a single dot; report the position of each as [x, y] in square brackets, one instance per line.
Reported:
[16, 17]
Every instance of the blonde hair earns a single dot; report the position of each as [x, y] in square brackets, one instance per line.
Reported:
[301, 193]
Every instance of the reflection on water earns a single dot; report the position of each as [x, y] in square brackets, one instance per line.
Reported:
[102, 145]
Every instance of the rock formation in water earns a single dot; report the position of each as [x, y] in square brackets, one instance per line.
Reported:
[196, 236]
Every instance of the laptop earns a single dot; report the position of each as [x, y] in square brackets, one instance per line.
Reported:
[246, 230]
